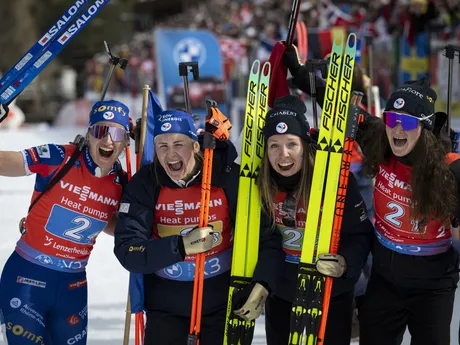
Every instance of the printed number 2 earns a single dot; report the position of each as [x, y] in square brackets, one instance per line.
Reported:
[74, 233]
[293, 240]
[398, 213]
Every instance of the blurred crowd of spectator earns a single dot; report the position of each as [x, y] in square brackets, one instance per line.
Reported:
[261, 20]
[257, 24]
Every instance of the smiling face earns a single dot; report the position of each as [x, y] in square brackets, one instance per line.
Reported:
[402, 142]
[285, 153]
[104, 151]
[176, 154]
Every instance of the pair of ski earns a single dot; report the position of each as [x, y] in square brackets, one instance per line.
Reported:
[327, 196]
[247, 227]
[47, 48]
[326, 203]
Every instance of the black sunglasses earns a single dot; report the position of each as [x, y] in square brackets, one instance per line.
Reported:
[289, 208]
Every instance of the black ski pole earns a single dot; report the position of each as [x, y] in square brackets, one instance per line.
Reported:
[312, 66]
[293, 22]
[114, 61]
[450, 55]
[370, 49]
[184, 69]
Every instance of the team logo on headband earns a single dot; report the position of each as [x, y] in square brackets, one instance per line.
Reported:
[399, 103]
[166, 127]
[108, 115]
[281, 127]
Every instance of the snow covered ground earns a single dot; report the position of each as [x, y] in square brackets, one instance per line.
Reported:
[108, 281]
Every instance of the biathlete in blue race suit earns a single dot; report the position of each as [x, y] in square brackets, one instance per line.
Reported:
[156, 234]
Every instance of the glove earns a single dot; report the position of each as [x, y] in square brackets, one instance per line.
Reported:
[4, 110]
[291, 59]
[253, 306]
[198, 240]
[331, 265]
[440, 121]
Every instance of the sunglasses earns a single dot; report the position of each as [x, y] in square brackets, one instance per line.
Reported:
[289, 208]
[116, 133]
[408, 122]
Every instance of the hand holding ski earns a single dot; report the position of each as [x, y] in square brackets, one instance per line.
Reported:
[254, 304]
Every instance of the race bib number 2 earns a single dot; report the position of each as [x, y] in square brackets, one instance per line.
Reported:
[73, 226]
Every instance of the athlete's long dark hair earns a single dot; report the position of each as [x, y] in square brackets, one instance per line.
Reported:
[433, 184]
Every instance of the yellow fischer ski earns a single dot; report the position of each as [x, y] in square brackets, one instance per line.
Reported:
[247, 227]
[307, 306]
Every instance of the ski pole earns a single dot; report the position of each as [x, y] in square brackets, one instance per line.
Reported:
[450, 55]
[312, 66]
[140, 330]
[369, 43]
[183, 72]
[139, 140]
[195, 322]
[128, 302]
[351, 128]
[141, 127]
[292, 22]
[114, 61]
[217, 127]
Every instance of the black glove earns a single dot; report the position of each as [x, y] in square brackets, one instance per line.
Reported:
[440, 120]
[292, 61]
[363, 116]
[241, 294]
[4, 110]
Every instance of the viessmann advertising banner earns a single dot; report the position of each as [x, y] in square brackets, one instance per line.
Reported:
[174, 46]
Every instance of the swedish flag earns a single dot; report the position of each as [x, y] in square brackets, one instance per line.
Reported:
[414, 58]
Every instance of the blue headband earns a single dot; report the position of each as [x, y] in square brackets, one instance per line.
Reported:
[110, 111]
[175, 121]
